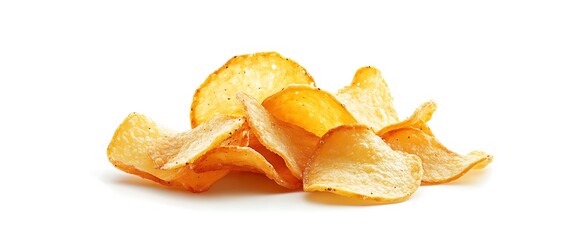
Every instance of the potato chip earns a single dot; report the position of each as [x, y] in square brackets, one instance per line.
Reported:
[279, 164]
[440, 165]
[352, 161]
[484, 163]
[128, 151]
[178, 149]
[239, 138]
[417, 120]
[311, 108]
[290, 142]
[368, 99]
[243, 159]
[259, 75]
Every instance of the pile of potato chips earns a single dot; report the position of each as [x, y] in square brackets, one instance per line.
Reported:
[263, 113]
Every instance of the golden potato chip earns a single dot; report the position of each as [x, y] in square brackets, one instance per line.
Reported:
[484, 163]
[290, 142]
[247, 160]
[368, 99]
[417, 120]
[198, 182]
[238, 138]
[440, 165]
[352, 161]
[178, 149]
[128, 151]
[259, 75]
[279, 164]
[311, 108]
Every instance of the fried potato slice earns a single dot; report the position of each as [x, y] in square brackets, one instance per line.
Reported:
[244, 159]
[311, 108]
[440, 165]
[290, 142]
[417, 120]
[239, 138]
[128, 151]
[352, 161]
[368, 99]
[279, 164]
[259, 75]
[178, 149]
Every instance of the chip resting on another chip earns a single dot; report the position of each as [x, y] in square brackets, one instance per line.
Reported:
[351, 160]
[259, 75]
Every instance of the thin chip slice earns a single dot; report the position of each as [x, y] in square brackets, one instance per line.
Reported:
[243, 159]
[368, 99]
[239, 138]
[352, 161]
[178, 149]
[290, 142]
[440, 165]
[128, 152]
[259, 75]
[311, 108]
[279, 164]
[417, 120]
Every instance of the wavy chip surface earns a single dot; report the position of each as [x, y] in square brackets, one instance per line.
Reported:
[311, 108]
[129, 152]
[290, 142]
[246, 159]
[368, 99]
[440, 165]
[351, 160]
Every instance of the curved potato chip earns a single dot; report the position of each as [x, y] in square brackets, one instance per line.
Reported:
[178, 149]
[352, 161]
[243, 159]
[417, 120]
[290, 142]
[259, 75]
[368, 99]
[128, 152]
[238, 138]
[311, 108]
[440, 165]
[483, 164]
[279, 164]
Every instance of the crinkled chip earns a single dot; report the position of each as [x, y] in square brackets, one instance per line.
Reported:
[259, 75]
[290, 142]
[243, 159]
[177, 150]
[308, 107]
[417, 120]
[368, 99]
[128, 151]
[351, 160]
[440, 165]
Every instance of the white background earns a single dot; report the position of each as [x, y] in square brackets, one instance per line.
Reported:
[502, 73]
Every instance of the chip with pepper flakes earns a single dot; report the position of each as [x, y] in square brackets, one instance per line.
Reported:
[440, 165]
[245, 159]
[129, 152]
[258, 75]
[290, 142]
[311, 108]
[178, 149]
[263, 113]
[351, 160]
